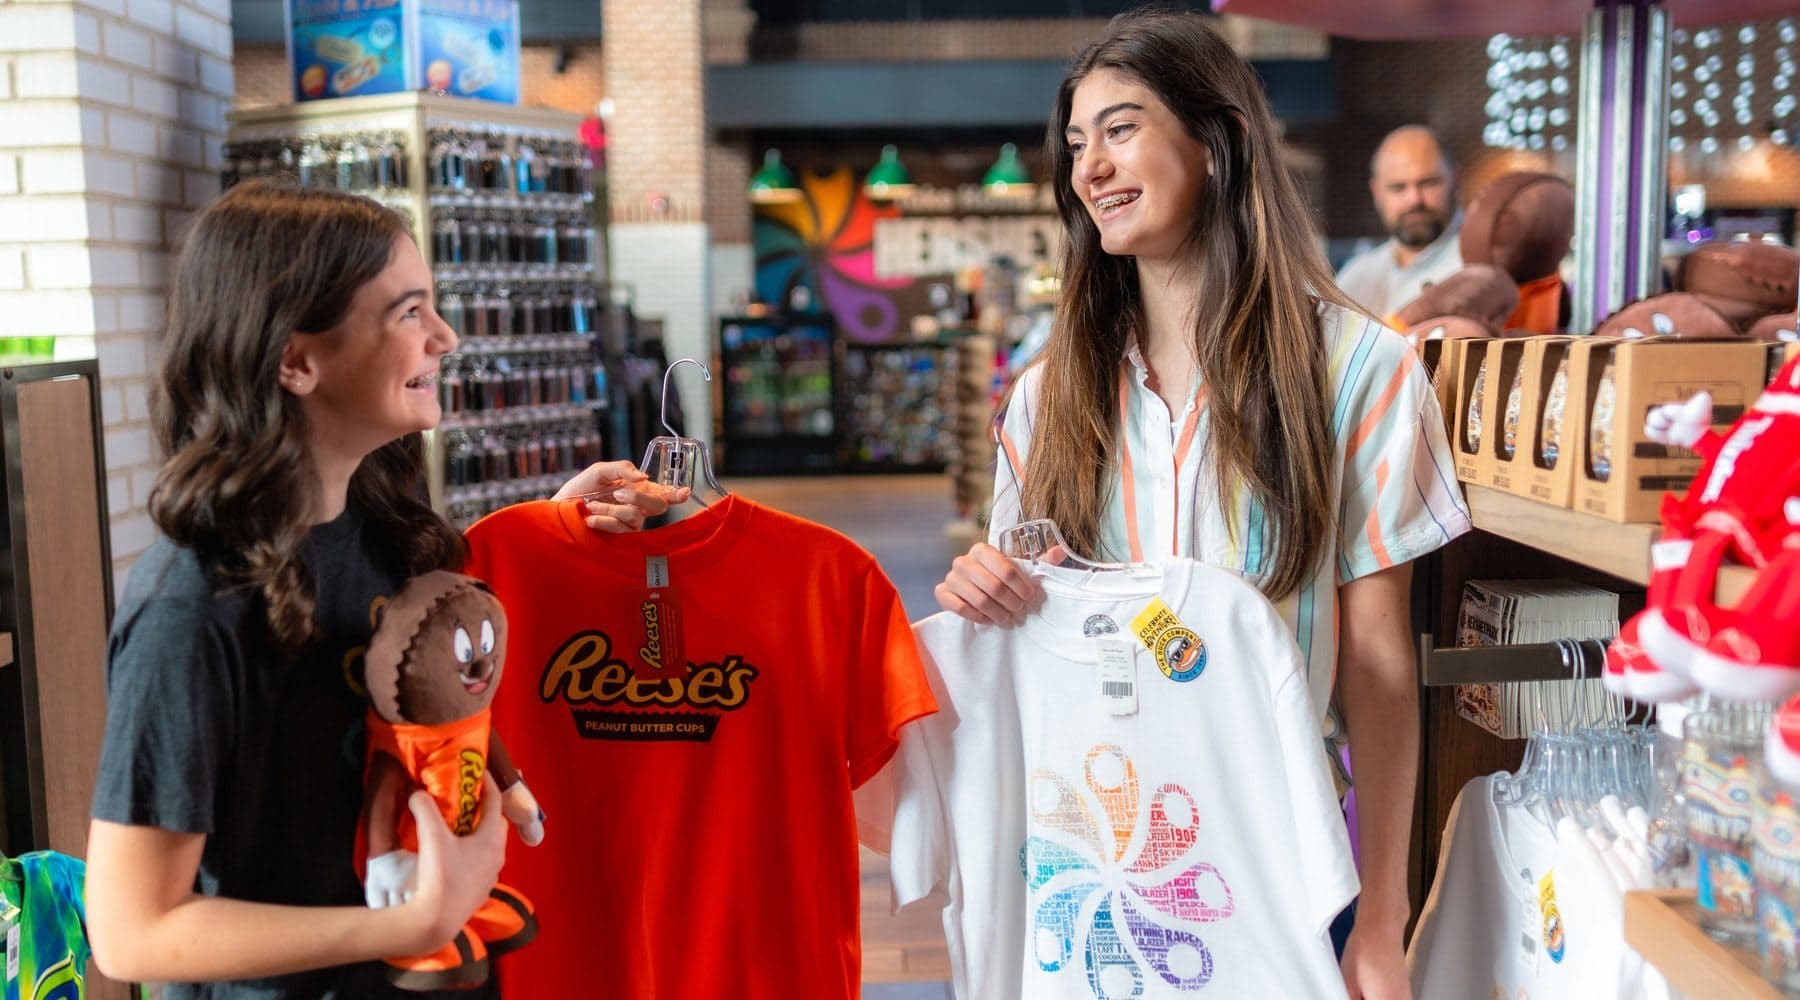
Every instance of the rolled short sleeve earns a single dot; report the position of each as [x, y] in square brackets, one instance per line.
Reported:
[1400, 498]
[1009, 464]
[169, 730]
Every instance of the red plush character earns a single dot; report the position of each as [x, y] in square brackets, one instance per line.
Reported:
[1743, 505]
[431, 669]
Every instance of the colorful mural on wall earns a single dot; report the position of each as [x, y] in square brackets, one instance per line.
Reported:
[826, 243]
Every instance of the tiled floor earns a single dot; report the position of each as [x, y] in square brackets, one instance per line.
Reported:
[900, 519]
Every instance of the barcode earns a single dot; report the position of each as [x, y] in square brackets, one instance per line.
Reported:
[1115, 689]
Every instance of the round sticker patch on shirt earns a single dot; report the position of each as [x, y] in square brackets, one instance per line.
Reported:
[1180, 652]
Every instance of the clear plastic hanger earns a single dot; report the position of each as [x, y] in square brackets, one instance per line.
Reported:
[673, 459]
[1039, 539]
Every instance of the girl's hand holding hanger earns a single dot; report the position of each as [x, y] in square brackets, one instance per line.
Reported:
[618, 496]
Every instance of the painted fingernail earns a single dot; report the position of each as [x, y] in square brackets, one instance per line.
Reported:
[540, 814]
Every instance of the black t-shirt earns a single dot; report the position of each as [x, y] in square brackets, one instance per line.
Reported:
[209, 730]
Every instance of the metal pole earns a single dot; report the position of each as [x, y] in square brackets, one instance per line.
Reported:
[1622, 159]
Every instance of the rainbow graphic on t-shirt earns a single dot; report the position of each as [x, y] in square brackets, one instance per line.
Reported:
[1151, 900]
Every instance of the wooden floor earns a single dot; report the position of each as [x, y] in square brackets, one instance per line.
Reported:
[900, 520]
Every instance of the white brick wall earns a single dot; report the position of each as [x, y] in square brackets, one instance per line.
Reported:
[113, 111]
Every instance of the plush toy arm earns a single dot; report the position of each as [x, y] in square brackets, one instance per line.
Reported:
[391, 880]
[1687, 423]
[516, 801]
[391, 874]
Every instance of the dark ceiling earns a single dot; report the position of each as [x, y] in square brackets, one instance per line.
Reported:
[796, 11]
[259, 21]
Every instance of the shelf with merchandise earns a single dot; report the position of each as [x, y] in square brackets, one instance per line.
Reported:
[1620, 550]
[1662, 925]
[508, 211]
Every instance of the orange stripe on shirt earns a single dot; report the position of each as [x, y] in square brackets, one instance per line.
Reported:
[1373, 525]
[1181, 447]
[1382, 404]
[1130, 488]
[1018, 468]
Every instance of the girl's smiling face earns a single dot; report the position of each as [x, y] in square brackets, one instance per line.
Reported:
[1135, 166]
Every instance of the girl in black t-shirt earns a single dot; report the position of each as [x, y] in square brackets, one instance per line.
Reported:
[299, 369]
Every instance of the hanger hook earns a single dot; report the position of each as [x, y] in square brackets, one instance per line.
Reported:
[663, 410]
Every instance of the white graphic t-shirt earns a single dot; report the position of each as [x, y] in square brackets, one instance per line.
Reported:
[1109, 821]
[1495, 922]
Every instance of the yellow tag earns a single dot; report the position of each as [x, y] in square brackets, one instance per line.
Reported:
[1178, 650]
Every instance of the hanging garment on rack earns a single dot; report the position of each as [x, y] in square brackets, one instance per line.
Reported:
[1494, 923]
[43, 927]
[701, 839]
[1116, 816]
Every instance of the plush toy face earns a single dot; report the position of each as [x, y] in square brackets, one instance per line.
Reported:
[438, 654]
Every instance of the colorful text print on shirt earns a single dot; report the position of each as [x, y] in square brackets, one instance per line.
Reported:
[1117, 882]
[610, 702]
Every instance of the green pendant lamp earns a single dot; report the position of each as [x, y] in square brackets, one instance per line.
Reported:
[1008, 177]
[774, 184]
[888, 179]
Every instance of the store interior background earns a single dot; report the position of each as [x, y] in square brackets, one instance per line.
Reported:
[115, 115]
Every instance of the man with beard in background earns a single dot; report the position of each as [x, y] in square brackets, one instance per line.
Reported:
[1414, 186]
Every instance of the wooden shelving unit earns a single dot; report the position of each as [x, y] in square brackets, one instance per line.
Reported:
[1621, 550]
[1663, 926]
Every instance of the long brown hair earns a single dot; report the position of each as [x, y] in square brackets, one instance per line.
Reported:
[1256, 333]
[259, 264]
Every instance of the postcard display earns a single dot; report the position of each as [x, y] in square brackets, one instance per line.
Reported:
[502, 204]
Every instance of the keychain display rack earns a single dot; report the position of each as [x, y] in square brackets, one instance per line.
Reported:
[503, 205]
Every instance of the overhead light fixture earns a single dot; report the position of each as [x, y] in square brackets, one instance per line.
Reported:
[888, 179]
[774, 184]
[1008, 177]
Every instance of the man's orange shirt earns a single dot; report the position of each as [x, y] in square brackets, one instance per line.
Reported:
[700, 839]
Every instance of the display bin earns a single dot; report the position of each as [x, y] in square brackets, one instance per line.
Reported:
[503, 205]
[779, 410]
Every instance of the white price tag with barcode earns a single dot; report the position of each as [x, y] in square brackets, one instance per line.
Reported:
[1118, 675]
[12, 953]
[656, 572]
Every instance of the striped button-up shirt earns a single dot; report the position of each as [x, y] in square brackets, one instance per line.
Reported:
[1393, 486]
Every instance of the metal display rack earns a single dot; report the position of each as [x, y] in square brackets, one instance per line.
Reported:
[503, 205]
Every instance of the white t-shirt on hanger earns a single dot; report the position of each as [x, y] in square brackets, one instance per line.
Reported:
[1095, 845]
[1493, 925]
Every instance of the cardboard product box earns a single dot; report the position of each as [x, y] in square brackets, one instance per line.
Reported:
[1521, 449]
[345, 48]
[1469, 409]
[1444, 358]
[1780, 354]
[1550, 422]
[1621, 475]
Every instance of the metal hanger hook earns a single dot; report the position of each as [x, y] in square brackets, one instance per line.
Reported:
[663, 410]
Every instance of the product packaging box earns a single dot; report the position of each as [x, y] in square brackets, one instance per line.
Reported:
[1620, 474]
[351, 48]
[1443, 359]
[1532, 442]
[1472, 384]
[1779, 353]
[1553, 371]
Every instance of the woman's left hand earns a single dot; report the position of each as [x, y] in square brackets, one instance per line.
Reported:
[1374, 965]
[627, 496]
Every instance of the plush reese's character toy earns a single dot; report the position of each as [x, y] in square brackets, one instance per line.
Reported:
[431, 670]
